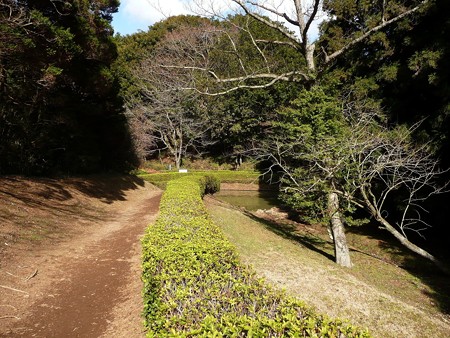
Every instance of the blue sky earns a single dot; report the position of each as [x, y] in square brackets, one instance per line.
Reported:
[137, 15]
[124, 24]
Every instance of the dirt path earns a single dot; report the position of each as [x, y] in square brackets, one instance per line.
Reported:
[88, 284]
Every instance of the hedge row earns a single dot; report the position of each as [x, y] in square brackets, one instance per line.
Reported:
[161, 179]
[194, 284]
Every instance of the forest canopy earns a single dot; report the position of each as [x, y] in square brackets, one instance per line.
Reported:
[68, 87]
[59, 105]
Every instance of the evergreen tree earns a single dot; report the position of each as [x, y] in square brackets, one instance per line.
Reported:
[59, 106]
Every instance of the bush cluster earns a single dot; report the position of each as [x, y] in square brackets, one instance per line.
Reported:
[161, 179]
[194, 284]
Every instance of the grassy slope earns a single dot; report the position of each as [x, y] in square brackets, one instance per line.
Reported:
[381, 296]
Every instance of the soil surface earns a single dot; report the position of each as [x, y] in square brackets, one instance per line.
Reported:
[70, 255]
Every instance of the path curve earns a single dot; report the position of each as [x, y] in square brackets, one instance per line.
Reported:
[91, 285]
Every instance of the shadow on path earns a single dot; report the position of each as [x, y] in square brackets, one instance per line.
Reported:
[108, 188]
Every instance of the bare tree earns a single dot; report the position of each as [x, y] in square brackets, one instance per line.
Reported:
[141, 130]
[173, 128]
[388, 161]
[281, 16]
[169, 118]
[363, 168]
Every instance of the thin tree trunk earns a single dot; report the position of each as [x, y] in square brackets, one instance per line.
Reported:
[179, 146]
[341, 251]
[178, 160]
[401, 238]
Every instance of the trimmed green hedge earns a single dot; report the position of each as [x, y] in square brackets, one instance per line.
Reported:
[194, 284]
[226, 176]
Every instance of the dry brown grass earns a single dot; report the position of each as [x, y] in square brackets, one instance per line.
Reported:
[376, 293]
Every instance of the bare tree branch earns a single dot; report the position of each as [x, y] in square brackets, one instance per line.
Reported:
[281, 29]
[303, 18]
[365, 166]
[275, 78]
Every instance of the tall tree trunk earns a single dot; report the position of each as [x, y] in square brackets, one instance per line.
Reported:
[341, 251]
[309, 54]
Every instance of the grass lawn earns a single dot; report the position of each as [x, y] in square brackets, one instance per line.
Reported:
[376, 293]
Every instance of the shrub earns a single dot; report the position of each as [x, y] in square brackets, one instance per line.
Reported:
[209, 184]
[228, 176]
[194, 284]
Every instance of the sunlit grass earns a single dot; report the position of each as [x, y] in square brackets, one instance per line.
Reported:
[376, 293]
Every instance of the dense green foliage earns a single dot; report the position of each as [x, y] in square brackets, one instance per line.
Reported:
[194, 284]
[59, 109]
[310, 134]
[401, 68]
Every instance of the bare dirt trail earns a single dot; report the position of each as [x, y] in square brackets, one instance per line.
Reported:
[86, 284]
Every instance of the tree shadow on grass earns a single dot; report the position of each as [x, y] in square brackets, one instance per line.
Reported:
[438, 283]
[424, 270]
[288, 231]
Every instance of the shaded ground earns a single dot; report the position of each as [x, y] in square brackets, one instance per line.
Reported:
[377, 293]
[70, 255]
